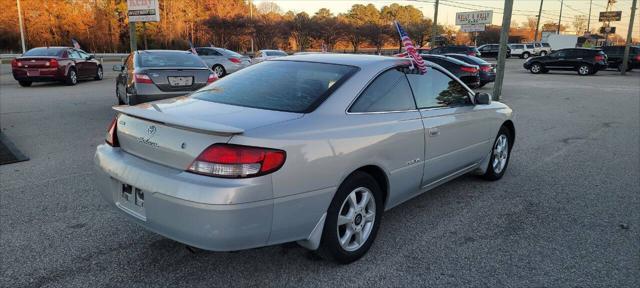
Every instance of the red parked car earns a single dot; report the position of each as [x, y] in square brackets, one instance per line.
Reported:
[45, 64]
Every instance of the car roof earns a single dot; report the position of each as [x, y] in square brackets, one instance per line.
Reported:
[271, 50]
[361, 61]
[161, 51]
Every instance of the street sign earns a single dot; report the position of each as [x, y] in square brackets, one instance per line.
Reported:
[607, 30]
[610, 16]
[143, 10]
[475, 17]
[472, 28]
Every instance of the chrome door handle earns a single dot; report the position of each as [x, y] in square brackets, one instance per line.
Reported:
[434, 132]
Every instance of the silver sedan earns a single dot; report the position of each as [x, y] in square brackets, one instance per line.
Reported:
[222, 61]
[309, 148]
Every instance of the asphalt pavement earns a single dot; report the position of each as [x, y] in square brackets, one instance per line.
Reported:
[566, 214]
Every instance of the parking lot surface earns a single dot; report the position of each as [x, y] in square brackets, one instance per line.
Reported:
[566, 214]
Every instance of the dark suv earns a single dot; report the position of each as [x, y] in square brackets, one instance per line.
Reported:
[467, 50]
[492, 50]
[584, 61]
[616, 53]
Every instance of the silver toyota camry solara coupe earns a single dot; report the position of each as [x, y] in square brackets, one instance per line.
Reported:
[310, 148]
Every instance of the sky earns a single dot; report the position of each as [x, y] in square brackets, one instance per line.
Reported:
[522, 10]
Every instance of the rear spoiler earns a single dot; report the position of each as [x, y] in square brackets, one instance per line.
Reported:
[173, 120]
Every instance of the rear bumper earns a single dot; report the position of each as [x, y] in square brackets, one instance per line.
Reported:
[174, 205]
[487, 77]
[45, 74]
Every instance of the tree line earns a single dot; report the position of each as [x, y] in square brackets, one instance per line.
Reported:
[102, 25]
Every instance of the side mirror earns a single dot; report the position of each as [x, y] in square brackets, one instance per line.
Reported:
[118, 67]
[482, 98]
[90, 57]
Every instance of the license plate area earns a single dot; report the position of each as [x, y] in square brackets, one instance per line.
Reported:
[180, 81]
[33, 72]
[131, 200]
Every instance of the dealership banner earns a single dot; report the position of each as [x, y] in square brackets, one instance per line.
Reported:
[474, 17]
[143, 10]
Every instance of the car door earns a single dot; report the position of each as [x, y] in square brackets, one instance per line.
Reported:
[556, 59]
[457, 133]
[90, 67]
[387, 109]
[78, 62]
[571, 59]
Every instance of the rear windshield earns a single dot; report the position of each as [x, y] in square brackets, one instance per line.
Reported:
[169, 59]
[276, 53]
[289, 86]
[44, 52]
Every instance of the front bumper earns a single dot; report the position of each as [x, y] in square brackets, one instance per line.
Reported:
[196, 210]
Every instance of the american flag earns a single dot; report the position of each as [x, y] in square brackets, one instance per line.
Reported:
[75, 43]
[411, 51]
[193, 50]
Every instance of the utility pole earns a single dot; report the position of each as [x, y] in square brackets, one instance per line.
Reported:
[434, 28]
[144, 35]
[132, 36]
[535, 36]
[502, 54]
[560, 19]
[625, 59]
[251, 20]
[24, 47]
[589, 21]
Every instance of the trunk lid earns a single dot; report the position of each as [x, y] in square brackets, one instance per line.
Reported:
[175, 131]
[167, 78]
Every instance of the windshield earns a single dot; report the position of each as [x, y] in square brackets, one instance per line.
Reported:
[44, 52]
[278, 85]
[169, 59]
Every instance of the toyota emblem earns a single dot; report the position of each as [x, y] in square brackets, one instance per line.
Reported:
[151, 130]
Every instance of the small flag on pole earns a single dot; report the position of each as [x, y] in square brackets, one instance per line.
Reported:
[411, 50]
[75, 43]
[211, 44]
[193, 50]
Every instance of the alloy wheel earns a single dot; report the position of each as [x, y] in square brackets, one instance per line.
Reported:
[535, 68]
[73, 77]
[584, 70]
[100, 73]
[356, 218]
[500, 153]
[219, 71]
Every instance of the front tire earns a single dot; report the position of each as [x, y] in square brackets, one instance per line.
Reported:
[543, 53]
[500, 155]
[353, 219]
[25, 83]
[99, 74]
[536, 68]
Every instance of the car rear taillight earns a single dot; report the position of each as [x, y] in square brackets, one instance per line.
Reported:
[15, 63]
[599, 58]
[234, 60]
[471, 53]
[112, 137]
[53, 63]
[236, 161]
[143, 79]
[212, 78]
[638, 57]
[486, 68]
[469, 69]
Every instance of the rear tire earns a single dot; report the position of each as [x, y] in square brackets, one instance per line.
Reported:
[585, 70]
[543, 53]
[72, 77]
[358, 204]
[500, 155]
[219, 70]
[25, 83]
[525, 55]
[120, 102]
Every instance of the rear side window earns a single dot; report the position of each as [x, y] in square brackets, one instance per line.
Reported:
[388, 92]
[52, 52]
[289, 86]
[436, 89]
[530, 46]
[276, 53]
[168, 59]
[546, 45]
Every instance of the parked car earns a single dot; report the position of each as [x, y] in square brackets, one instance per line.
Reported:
[541, 49]
[615, 54]
[263, 55]
[222, 61]
[492, 50]
[468, 73]
[149, 75]
[487, 70]
[584, 61]
[523, 51]
[47, 64]
[461, 49]
[297, 155]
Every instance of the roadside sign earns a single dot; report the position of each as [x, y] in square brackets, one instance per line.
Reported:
[143, 10]
[607, 30]
[472, 28]
[474, 17]
[610, 16]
